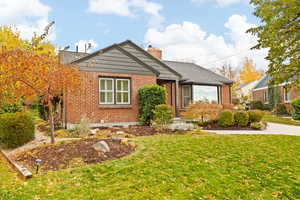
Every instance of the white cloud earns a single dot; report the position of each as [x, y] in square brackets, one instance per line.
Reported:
[129, 8]
[83, 45]
[221, 3]
[27, 16]
[188, 42]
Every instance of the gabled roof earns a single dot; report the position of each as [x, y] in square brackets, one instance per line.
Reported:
[245, 84]
[263, 83]
[192, 73]
[159, 65]
[116, 46]
[70, 56]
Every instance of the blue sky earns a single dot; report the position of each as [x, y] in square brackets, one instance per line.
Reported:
[208, 32]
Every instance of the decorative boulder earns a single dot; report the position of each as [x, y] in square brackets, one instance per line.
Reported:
[101, 146]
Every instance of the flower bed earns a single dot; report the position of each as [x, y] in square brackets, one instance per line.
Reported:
[72, 154]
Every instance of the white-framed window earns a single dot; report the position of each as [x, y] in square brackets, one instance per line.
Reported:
[114, 90]
[123, 91]
[106, 90]
[266, 96]
[287, 95]
[186, 95]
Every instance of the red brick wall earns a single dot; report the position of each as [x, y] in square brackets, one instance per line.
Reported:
[87, 102]
[258, 95]
[226, 94]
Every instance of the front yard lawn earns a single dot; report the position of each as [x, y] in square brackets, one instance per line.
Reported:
[177, 167]
[280, 120]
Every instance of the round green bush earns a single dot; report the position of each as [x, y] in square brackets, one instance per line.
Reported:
[296, 109]
[226, 118]
[149, 97]
[16, 129]
[241, 118]
[255, 115]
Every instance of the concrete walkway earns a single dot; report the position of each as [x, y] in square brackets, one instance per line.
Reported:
[275, 129]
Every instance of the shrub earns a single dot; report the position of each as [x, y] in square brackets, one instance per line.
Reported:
[281, 109]
[16, 129]
[226, 118]
[62, 133]
[10, 108]
[202, 112]
[256, 105]
[241, 118]
[258, 125]
[162, 115]
[255, 115]
[82, 127]
[149, 97]
[296, 109]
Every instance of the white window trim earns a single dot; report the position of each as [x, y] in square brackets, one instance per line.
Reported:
[183, 96]
[113, 91]
[286, 93]
[266, 97]
[122, 91]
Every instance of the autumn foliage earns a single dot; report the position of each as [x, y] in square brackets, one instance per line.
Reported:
[202, 111]
[249, 73]
[30, 69]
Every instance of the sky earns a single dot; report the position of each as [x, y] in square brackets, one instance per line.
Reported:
[207, 32]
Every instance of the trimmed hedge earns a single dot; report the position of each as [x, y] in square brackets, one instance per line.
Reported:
[256, 105]
[149, 97]
[226, 118]
[296, 109]
[16, 129]
[255, 115]
[241, 118]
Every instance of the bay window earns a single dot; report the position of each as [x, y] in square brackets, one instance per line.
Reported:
[114, 91]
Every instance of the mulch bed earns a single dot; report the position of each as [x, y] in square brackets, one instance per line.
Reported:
[215, 126]
[138, 130]
[71, 154]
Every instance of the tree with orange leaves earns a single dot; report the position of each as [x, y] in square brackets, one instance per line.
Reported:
[249, 73]
[30, 71]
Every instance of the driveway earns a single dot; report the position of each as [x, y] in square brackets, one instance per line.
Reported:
[275, 129]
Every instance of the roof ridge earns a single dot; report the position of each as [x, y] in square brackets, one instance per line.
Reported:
[152, 57]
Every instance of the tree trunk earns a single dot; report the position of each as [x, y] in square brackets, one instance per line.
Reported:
[51, 123]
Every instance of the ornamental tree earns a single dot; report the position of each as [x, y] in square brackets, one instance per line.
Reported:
[31, 71]
[280, 33]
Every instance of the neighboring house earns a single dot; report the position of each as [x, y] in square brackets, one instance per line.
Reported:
[261, 92]
[113, 75]
[245, 89]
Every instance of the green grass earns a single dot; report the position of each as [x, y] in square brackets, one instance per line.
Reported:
[280, 120]
[178, 167]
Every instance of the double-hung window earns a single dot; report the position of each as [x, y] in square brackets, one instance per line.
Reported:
[114, 91]
[123, 91]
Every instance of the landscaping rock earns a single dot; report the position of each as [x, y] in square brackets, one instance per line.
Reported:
[101, 146]
[179, 124]
[93, 131]
[120, 132]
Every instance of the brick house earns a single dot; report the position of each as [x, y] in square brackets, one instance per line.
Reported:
[261, 92]
[113, 75]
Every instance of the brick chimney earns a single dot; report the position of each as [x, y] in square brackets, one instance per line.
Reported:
[157, 53]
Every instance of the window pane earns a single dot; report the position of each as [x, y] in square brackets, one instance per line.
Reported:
[102, 84]
[109, 97]
[125, 97]
[109, 84]
[102, 97]
[125, 85]
[119, 85]
[119, 97]
[205, 93]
